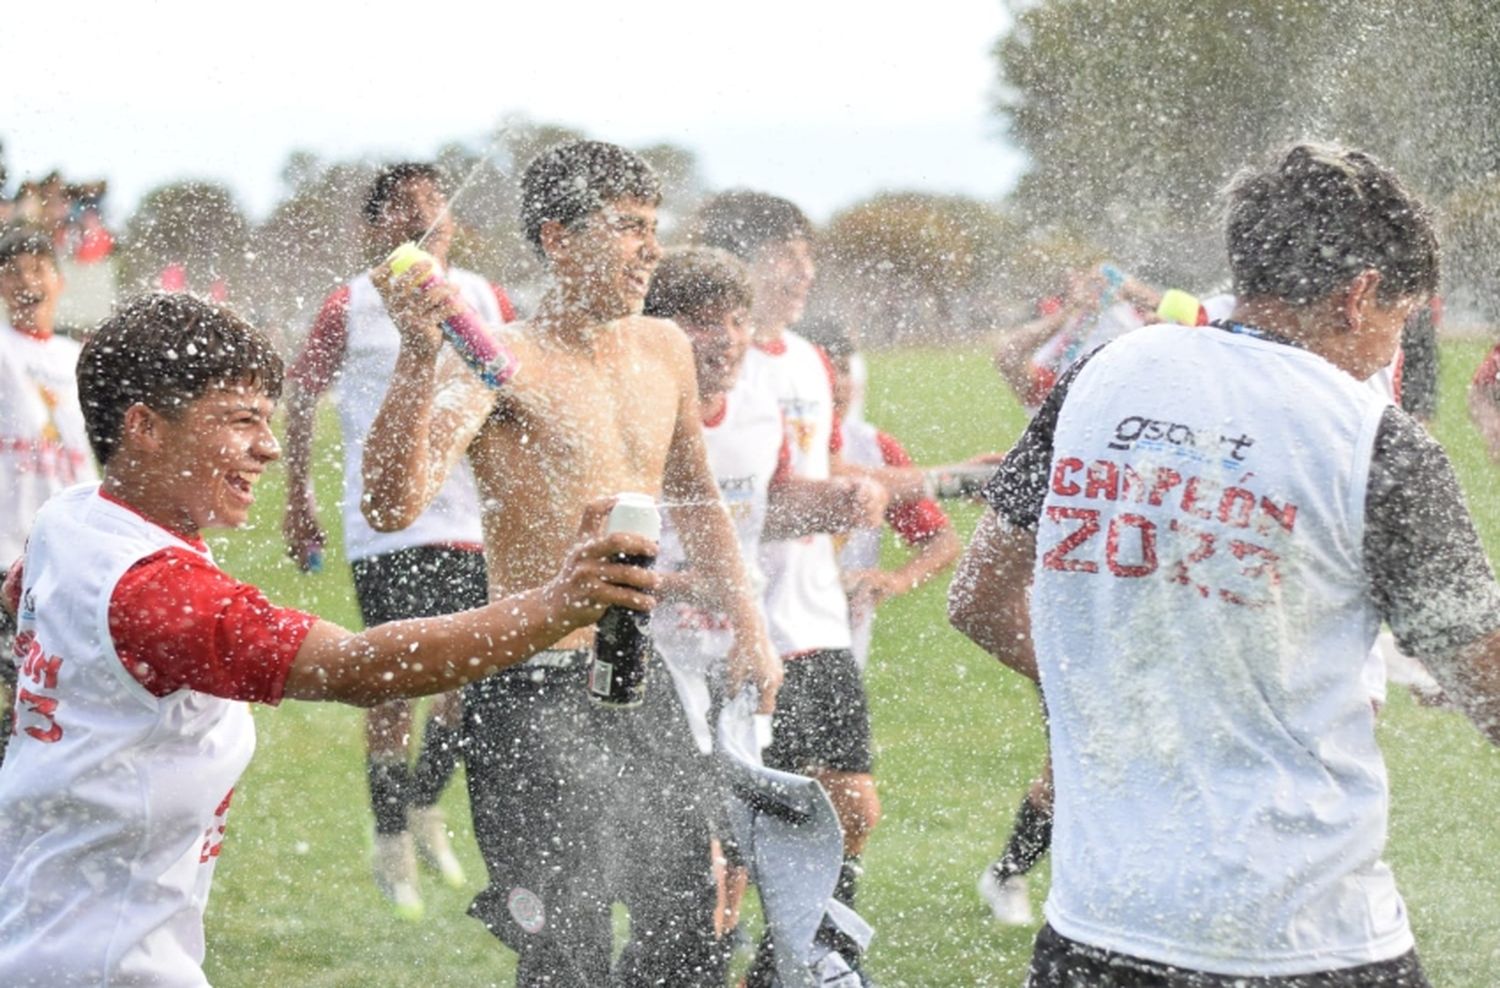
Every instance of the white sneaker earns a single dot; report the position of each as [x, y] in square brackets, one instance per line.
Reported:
[395, 867]
[1009, 900]
[430, 833]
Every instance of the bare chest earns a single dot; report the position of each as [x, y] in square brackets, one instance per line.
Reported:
[588, 424]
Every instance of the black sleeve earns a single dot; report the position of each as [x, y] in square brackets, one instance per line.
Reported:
[1428, 571]
[1017, 489]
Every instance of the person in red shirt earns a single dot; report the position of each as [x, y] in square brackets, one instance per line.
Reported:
[177, 396]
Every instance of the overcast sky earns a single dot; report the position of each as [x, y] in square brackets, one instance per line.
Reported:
[825, 101]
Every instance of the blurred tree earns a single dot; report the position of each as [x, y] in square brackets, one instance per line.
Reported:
[683, 186]
[912, 265]
[310, 243]
[1136, 113]
[186, 235]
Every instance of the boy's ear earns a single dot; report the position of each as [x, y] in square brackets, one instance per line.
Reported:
[554, 238]
[141, 429]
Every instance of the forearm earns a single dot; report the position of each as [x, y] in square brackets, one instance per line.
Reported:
[988, 599]
[397, 466]
[1486, 418]
[301, 417]
[902, 483]
[1014, 347]
[426, 655]
[719, 579]
[1472, 680]
[799, 507]
[931, 557]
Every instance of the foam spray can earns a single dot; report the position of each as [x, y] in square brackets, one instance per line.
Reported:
[490, 359]
[622, 639]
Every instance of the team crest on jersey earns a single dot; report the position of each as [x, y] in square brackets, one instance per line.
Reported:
[802, 433]
[526, 909]
[739, 496]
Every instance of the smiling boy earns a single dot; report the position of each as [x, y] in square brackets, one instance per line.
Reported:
[137, 653]
[611, 805]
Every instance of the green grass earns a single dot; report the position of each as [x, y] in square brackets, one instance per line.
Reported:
[958, 738]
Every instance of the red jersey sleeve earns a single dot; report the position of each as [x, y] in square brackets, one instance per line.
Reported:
[180, 622]
[507, 308]
[836, 436]
[915, 520]
[323, 352]
[1487, 377]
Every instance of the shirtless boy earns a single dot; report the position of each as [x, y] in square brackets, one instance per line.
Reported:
[576, 805]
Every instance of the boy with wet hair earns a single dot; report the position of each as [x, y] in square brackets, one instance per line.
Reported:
[1201, 648]
[434, 566]
[577, 805]
[138, 654]
[822, 724]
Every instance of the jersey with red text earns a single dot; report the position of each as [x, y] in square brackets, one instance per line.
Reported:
[370, 357]
[1201, 616]
[113, 801]
[745, 449]
[44, 447]
[805, 605]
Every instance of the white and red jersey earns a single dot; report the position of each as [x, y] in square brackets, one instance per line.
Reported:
[113, 799]
[746, 449]
[806, 609]
[1201, 614]
[915, 521]
[353, 345]
[44, 446]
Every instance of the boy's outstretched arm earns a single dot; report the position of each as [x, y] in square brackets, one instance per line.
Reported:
[434, 655]
[988, 599]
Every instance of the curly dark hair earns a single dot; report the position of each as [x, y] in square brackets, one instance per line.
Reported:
[742, 221]
[164, 349]
[1318, 216]
[570, 181]
[391, 179]
[698, 283]
[20, 240]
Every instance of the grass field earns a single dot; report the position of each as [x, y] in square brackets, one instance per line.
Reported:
[957, 736]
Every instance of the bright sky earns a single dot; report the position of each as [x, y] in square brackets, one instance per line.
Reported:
[825, 101]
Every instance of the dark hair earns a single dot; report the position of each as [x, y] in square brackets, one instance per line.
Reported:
[568, 182]
[698, 283]
[741, 222]
[21, 240]
[391, 179]
[163, 350]
[832, 335]
[1317, 217]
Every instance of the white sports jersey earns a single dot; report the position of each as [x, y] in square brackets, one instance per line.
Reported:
[1201, 618]
[859, 387]
[744, 450]
[373, 345]
[861, 549]
[805, 604]
[112, 801]
[44, 447]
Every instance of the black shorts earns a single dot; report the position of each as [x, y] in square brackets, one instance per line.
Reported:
[423, 581]
[822, 719]
[1057, 962]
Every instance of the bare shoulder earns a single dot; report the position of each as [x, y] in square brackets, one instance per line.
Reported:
[661, 336]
